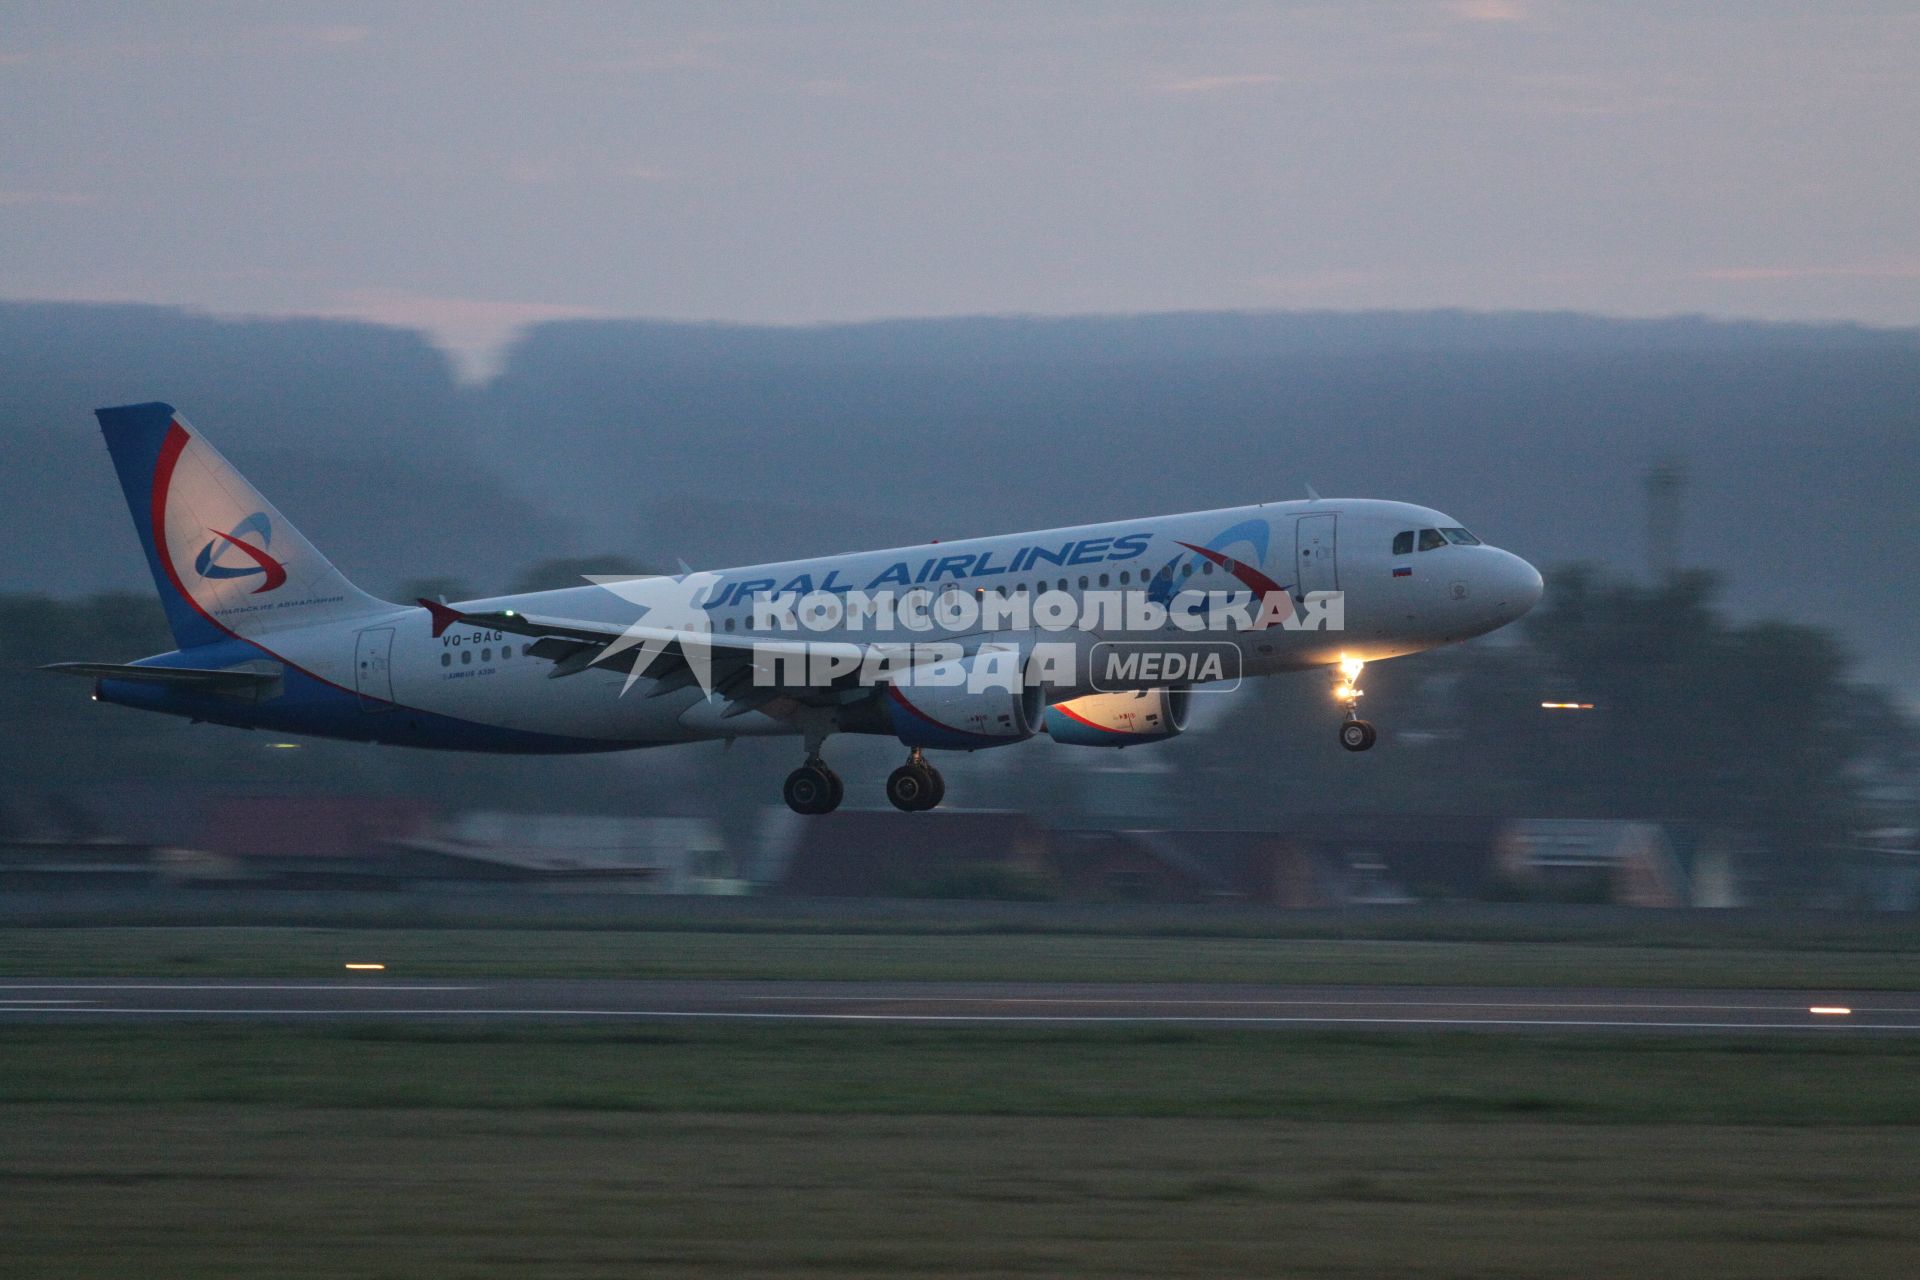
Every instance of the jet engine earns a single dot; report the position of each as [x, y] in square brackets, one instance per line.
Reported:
[981, 700]
[1119, 719]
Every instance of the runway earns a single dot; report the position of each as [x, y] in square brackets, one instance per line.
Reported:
[389, 998]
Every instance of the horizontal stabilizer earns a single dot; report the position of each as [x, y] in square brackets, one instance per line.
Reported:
[251, 682]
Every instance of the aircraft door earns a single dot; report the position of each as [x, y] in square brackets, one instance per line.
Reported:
[373, 668]
[1315, 566]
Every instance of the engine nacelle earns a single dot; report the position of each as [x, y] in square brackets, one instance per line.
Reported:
[1119, 719]
[981, 700]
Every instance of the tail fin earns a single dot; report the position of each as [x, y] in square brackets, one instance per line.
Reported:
[225, 561]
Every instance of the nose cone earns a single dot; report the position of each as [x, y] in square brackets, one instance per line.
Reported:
[1517, 586]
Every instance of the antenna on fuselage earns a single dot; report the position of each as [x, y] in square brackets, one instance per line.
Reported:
[1312, 494]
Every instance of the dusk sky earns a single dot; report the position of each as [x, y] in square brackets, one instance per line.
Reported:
[470, 168]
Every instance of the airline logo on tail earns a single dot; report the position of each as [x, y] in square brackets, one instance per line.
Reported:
[217, 560]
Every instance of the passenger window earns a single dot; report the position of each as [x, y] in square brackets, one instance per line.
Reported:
[466, 657]
[506, 651]
[486, 654]
[1403, 543]
[1430, 538]
[446, 659]
[1103, 579]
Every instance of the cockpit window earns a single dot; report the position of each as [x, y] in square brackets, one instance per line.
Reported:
[1431, 538]
[1403, 543]
[1461, 538]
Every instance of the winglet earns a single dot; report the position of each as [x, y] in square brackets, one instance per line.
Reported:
[444, 615]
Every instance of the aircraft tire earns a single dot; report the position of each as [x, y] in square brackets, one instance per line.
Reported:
[912, 788]
[812, 789]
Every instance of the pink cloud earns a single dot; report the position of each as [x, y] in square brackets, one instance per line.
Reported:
[474, 331]
[1490, 10]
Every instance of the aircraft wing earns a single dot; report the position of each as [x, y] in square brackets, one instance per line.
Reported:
[675, 658]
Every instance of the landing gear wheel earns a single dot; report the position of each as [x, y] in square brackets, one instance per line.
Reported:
[813, 788]
[1357, 735]
[915, 786]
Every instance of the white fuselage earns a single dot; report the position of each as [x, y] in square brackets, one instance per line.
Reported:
[1394, 604]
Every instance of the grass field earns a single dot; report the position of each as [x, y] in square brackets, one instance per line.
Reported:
[704, 1150]
[1876, 961]
[248, 1192]
[697, 1152]
[1358, 1076]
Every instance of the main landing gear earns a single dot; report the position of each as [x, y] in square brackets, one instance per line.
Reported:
[1355, 734]
[813, 788]
[915, 785]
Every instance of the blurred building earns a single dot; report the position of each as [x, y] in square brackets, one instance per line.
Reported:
[1628, 863]
[579, 851]
[1315, 862]
[1389, 858]
[943, 853]
[47, 842]
[1194, 866]
[995, 853]
[133, 836]
[301, 841]
[1881, 870]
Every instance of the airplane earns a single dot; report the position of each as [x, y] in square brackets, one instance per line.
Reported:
[1095, 635]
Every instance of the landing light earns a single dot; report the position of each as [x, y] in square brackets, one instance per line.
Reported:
[368, 967]
[1351, 668]
[284, 746]
[1832, 1010]
[1566, 706]
[1342, 692]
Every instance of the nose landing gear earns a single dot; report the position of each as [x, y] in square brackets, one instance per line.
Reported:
[1355, 734]
[916, 785]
